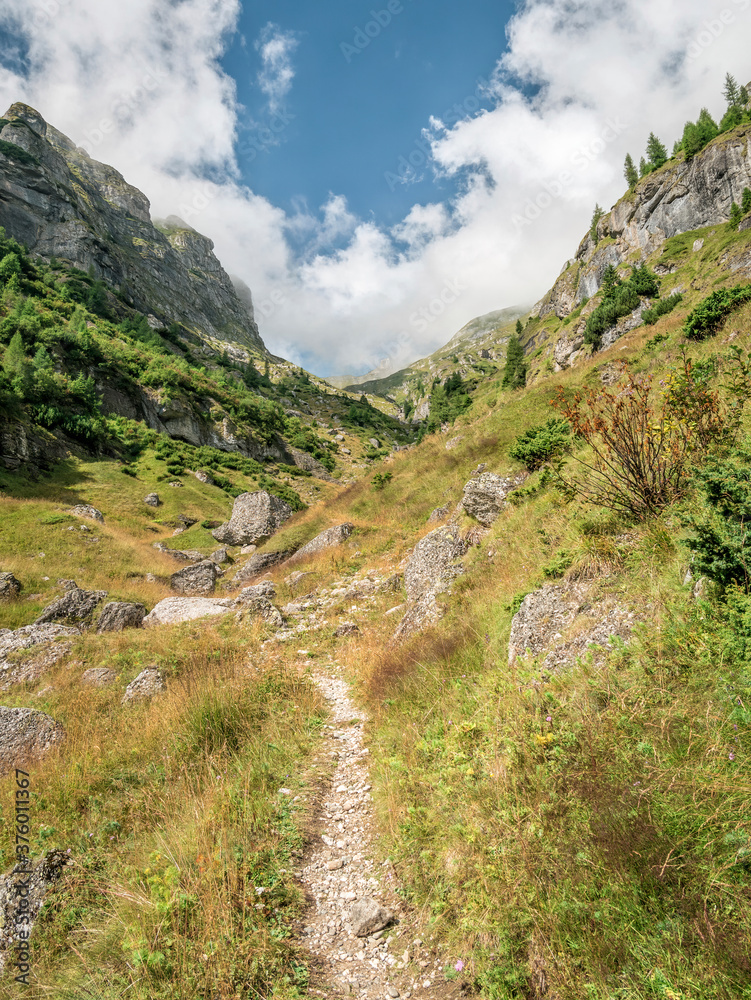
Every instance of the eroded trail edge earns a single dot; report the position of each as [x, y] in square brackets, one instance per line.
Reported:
[356, 927]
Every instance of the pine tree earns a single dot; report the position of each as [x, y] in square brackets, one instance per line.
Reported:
[707, 127]
[731, 91]
[515, 371]
[656, 152]
[630, 172]
[17, 366]
[746, 201]
[743, 95]
[596, 216]
[735, 216]
[643, 167]
[520, 328]
[610, 280]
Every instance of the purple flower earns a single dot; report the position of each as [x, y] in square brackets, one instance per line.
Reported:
[459, 966]
[549, 718]
[731, 756]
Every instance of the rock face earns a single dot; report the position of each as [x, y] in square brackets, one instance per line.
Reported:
[86, 510]
[29, 637]
[484, 498]
[197, 579]
[10, 587]
[26, 736]
[255, 516]
[61, 203]
[119, 615]
[185, 609]
[148, 683]
[432, 565]
[675, 199]
[368, 916]
[75, 607]
[327, 539]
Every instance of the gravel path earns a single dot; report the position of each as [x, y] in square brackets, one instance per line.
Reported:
[344, 883]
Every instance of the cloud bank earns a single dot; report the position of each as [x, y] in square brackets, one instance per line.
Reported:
[580, 84]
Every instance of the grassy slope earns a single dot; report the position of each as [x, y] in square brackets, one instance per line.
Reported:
[599, 853]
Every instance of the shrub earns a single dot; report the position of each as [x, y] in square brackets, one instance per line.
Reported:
[708, 316]
[619, 299]
[381, 480]
[539, 444]
[720, 542]
[661, 308]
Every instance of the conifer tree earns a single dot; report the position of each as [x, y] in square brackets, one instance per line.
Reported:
[520, 328]
[746, 201]
[630, 172]
[656, 152]
[596, 216]
[643, 168]
[515, 371]
[731, 91]
[735, 216]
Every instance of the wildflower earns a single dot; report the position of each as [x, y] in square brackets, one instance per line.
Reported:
[731, 756]
[459, 966]
[549, 718]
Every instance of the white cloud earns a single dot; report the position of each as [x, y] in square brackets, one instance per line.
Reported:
[277, 72]
[530, 168]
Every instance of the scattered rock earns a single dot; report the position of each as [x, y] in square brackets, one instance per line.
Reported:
[255, 516]
[327, 539]
[265, 589]
[176, 484]
[484, 498]
[30, 668]
[37, 883]
[299, 576]
[119, 615]
[374, 443]
[453, 442]
[698, 244]
[247, 550]
[432, 565]
[347, 628]
[197, 579]
[173, 610]
[98, 677]
[368, 916]
[439, 514]
[204, 477]
[260, 607]
[26, 736]
[259, 563]
[152, 500]
[220, 556]
[75, 607]
[148, 683]
[86, 510]
[67, 584]
[181, 555]
[185, 521]
[10, 587]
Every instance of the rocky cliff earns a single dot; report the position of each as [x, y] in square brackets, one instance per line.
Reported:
[61, 203]
[679, 197]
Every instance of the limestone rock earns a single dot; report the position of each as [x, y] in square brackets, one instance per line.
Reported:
[204, 477]
[30, 668]
[420, 614]
[439, 514]
[75, 607]
[374, 443]
[173, 610]
[327, 539]
[197, 579]
[255, 516]
[119, 615]
[484, 498]
[432, 564]
[37, 883]
[148, 683]
[367, 916]
[152, 500]
[347, 628]
[86, 510]
[265, 589]
[10, 587]
[258, 563]
[98, 677]
[220, 556]
[25, 736]
[260, 607]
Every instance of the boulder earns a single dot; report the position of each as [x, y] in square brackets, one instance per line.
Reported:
[366, 916]
[259, 563]
[204, 477]
[485, 497]
[439, 514]
[98, 677]
[30, 668]
[86, 510]
[346, 628]
[418, 615]
[75, 607]
[220, 556]
[181, 555]
[67, 584]
[432, 564]
[152, 500]
[10, 587]
[173, 610]
[119, 615]
[197, 579]
[260, 607]
[374, 443]
[255, 516]
[265, 589]
[36, 882]
[327, 539]
[26, 736]
[148, 683]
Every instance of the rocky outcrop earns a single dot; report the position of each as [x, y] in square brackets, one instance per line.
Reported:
[29, 448]
[680, 197]
[173, 610]
[259, 607]
[259, 563]
[431, 568]
[36, 882]
[327, 539]
[255, 517]
[148, 684]
[98, 677]
[26, 736]
[63, 204]
[10, 587]
[119, 615]
[485, 497]
[75, 607]
[197, 579]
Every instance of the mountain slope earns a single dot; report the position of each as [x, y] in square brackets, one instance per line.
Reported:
[62, 204]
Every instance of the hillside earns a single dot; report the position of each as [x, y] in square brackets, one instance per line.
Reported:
[476, 724]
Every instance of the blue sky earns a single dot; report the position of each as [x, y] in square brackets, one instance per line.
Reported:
[351, 258]
[355, 112]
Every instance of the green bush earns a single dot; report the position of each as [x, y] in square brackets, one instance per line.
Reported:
[709, 315]
[720, 542]
[620, 299]
[661, 308]
[539, 444]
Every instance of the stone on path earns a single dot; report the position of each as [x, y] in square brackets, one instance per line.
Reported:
[368, 916]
